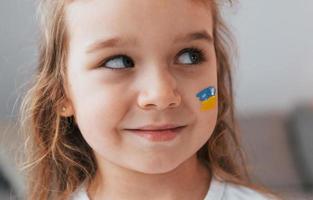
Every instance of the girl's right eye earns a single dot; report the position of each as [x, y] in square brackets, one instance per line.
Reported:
[117, 62]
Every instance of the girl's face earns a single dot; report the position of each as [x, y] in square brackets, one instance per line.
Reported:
[155, 48]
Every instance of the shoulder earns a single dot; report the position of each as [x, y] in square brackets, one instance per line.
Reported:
[80, 193]
[221, 190]
[235, 192]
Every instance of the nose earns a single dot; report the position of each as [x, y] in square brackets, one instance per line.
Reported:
[159, 91]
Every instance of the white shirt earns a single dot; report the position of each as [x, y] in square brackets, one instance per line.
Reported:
[218, 191]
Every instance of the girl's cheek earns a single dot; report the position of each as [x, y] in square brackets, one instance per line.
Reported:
[100, 113]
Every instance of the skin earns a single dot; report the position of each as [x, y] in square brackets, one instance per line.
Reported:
[160, 88]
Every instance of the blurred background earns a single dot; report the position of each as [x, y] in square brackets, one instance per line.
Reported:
[273, 90]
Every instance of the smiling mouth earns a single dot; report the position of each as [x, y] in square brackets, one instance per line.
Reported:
[157, 130]
[159, 134]
[158, 127]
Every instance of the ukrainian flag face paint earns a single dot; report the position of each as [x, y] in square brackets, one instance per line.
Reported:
[208, 98]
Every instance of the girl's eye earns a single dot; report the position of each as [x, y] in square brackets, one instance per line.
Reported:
[191, 56]
[117, 62]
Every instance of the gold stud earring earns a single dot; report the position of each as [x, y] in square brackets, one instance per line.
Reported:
[63, 109]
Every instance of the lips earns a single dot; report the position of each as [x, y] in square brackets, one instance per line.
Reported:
[159, 134]
[157, 127]
[156, 130]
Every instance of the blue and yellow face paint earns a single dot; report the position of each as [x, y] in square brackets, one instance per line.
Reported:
[208, 98]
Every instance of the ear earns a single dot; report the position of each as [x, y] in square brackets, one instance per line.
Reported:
[66, 109]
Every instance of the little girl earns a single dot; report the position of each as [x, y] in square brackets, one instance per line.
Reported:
[132, 99]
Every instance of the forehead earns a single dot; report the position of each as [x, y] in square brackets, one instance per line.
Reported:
[148, 20]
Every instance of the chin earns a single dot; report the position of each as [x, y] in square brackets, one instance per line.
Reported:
[156, 167]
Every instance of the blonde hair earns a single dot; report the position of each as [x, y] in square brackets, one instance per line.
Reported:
[58, 157]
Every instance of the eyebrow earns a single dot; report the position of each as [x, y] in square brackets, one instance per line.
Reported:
[117, 41]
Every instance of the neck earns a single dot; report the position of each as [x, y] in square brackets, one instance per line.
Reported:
[190, 181]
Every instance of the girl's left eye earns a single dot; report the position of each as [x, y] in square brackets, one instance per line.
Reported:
[191, 56]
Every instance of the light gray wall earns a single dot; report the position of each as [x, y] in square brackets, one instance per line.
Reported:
[17, 52]
[274, 37]
[276, 54]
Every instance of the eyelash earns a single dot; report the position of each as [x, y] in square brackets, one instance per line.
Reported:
[200, 53]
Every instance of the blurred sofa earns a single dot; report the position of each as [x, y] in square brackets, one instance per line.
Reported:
[279, 150]
[11, 181]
